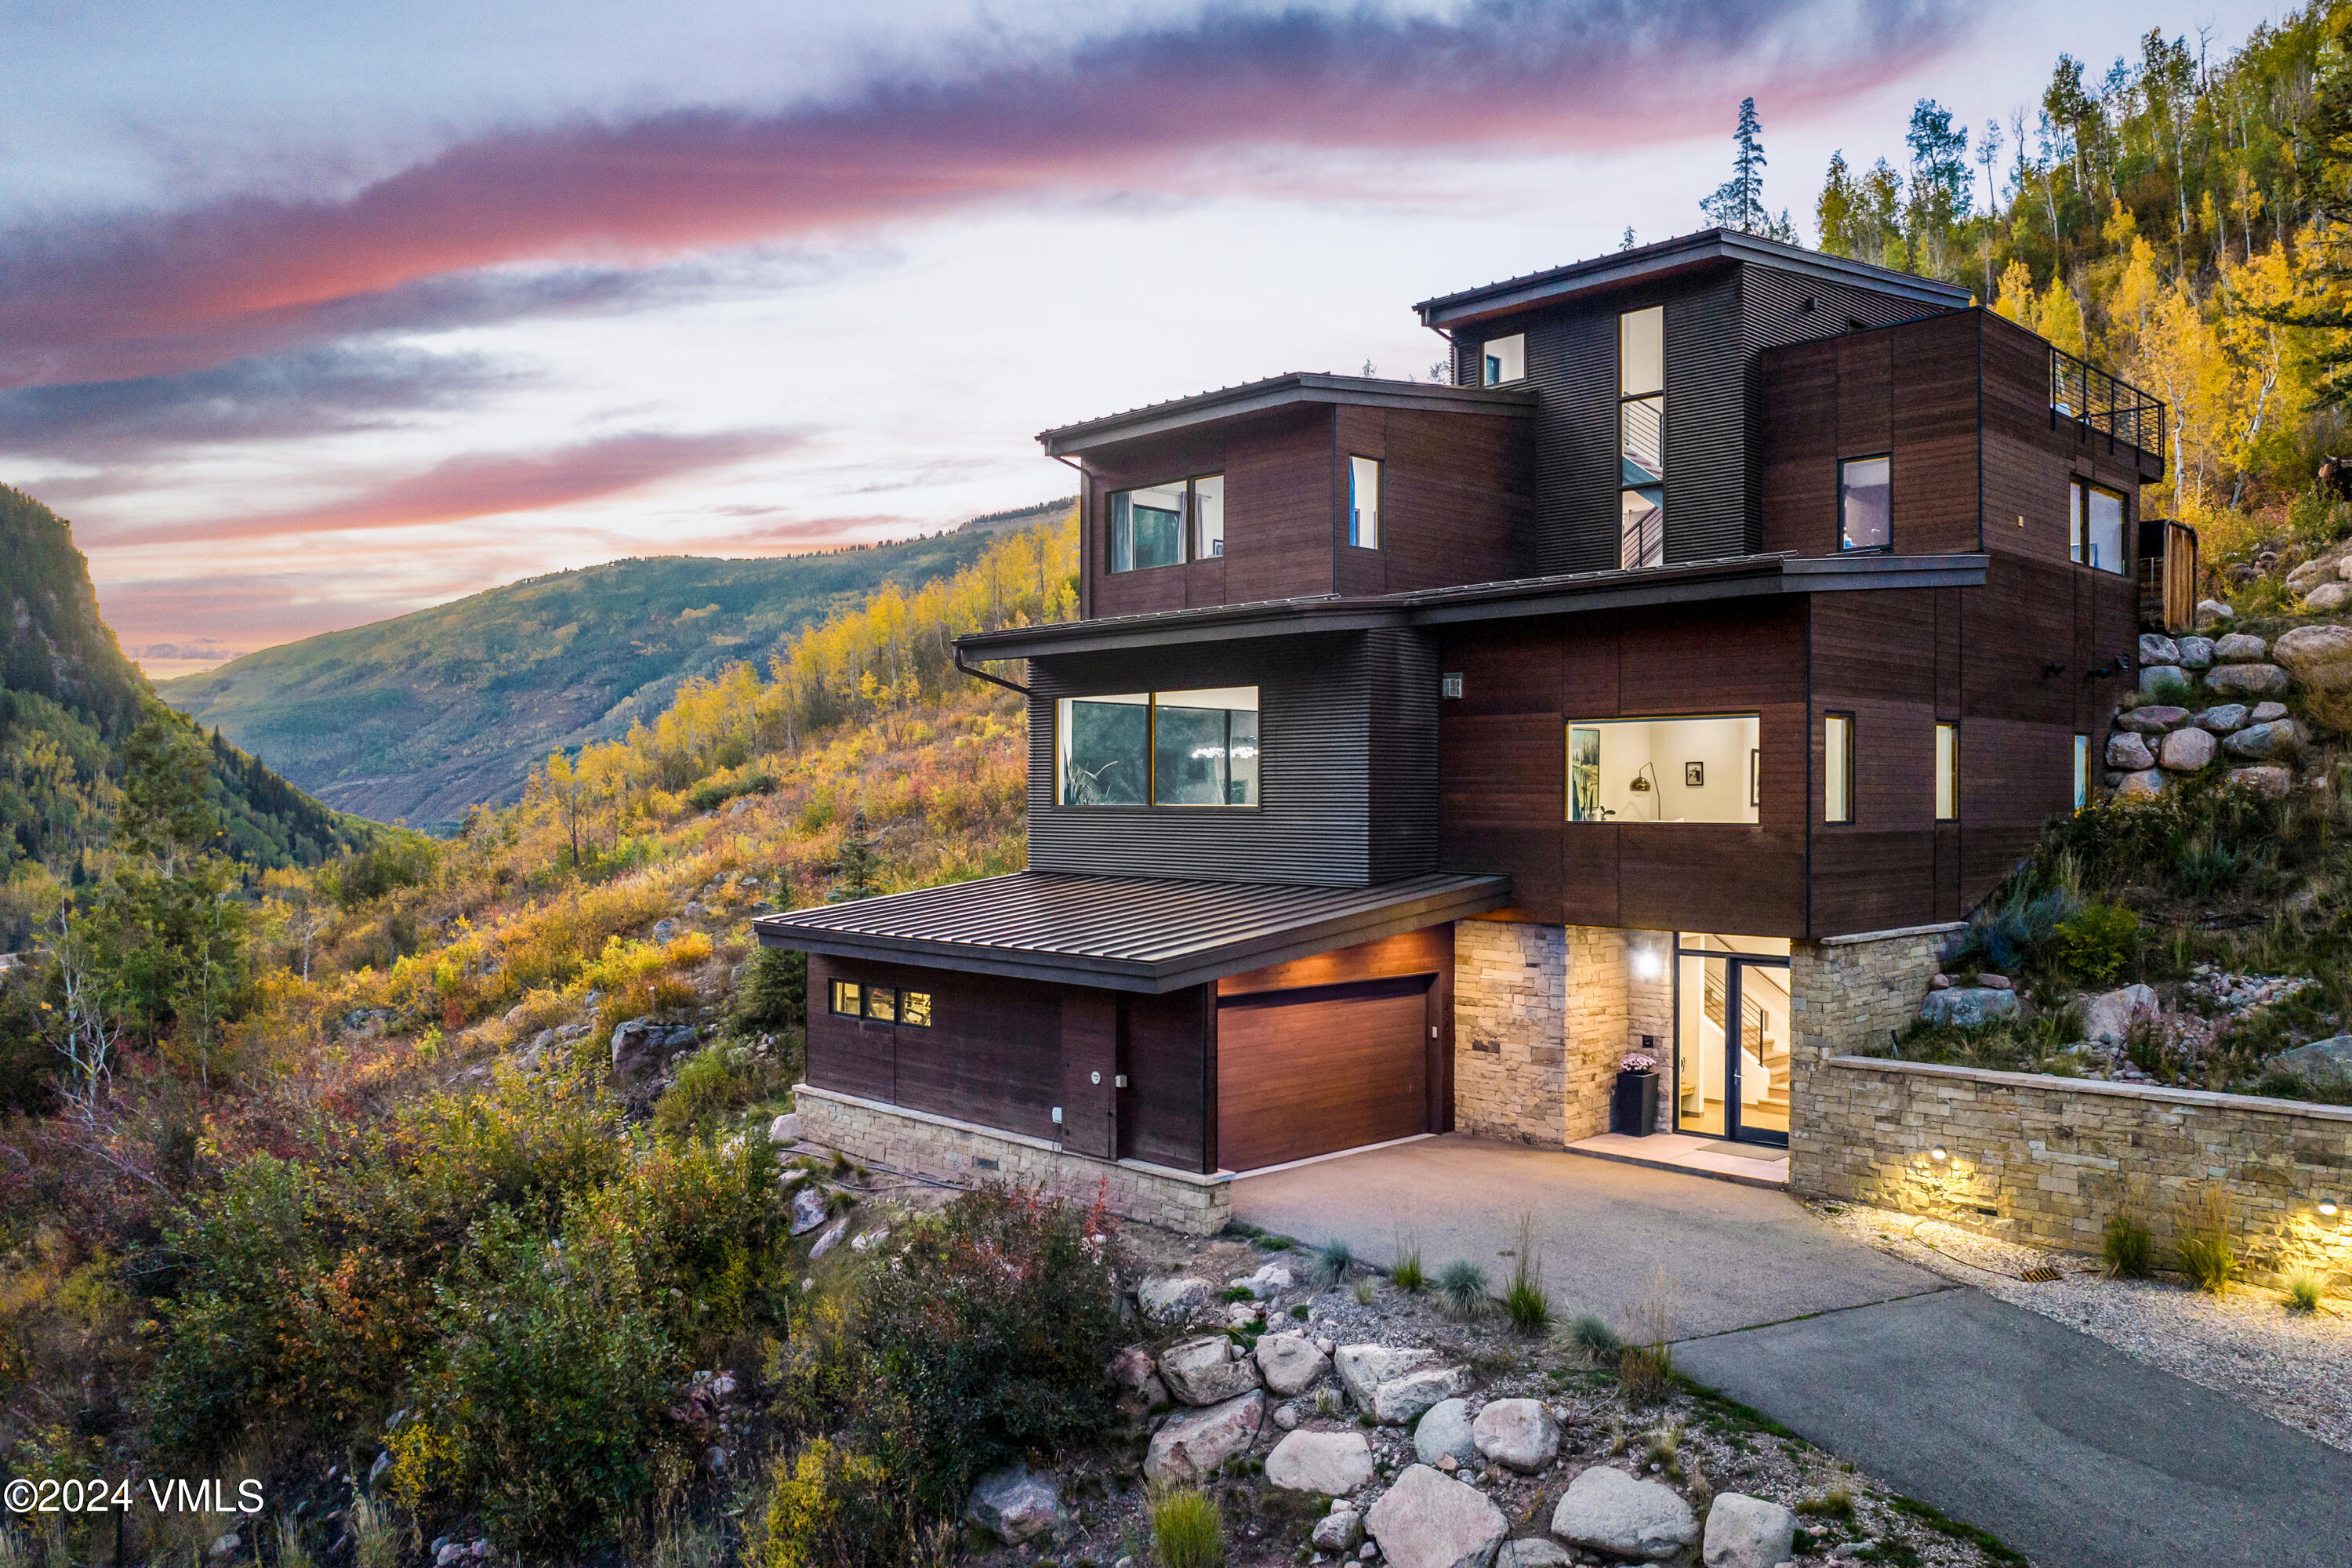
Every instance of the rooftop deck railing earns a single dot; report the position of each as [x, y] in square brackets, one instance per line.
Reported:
[2099, 402]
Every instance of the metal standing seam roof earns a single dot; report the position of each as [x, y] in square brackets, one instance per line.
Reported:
[1126, 933]
[1290, 389]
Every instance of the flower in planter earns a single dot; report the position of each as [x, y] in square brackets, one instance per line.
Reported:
[1637, 1061]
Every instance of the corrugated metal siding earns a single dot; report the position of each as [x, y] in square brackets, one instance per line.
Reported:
[1404, 753]
[1717, 323]
[1313, 824]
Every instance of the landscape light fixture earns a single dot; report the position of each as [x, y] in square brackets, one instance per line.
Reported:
[2327, 1208]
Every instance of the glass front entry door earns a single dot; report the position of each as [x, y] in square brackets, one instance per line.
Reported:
[1731, 1040]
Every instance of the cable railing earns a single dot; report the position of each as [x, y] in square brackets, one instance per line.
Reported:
[2099, 402]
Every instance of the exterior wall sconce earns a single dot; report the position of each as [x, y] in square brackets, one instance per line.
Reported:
[1937, 1154]
[2327, 1208]
[1646, 964]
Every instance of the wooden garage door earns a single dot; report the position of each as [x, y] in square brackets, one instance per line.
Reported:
[1306, 1072]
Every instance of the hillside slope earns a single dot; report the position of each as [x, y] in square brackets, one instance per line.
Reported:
[418, 718]
[69, 698]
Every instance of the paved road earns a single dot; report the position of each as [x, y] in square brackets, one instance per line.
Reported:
[2067, 1450]
[2071, 1452]
[1734, 1256]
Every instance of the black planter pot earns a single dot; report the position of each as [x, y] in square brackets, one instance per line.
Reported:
[1634, 1109]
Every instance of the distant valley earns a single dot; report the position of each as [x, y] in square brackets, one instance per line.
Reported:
[417, 719]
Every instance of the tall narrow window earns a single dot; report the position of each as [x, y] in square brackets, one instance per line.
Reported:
[1837, 768]
[1364, 502]
[1642, 437]
[1865, 503]
[1948, 773]
[1209, 518]
[2081, 772]
[2095, 527]
[1503, 360]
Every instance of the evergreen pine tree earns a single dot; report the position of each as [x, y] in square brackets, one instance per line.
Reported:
[1739, 202]
[854, 875]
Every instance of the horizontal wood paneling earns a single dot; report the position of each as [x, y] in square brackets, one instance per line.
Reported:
[993, 1053]
[1301, 1074]
[1167, 1047]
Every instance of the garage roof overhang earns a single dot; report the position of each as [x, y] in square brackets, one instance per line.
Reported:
[1644, 587]
[1124, 933]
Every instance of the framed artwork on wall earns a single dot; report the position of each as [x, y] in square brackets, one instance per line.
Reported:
[1694, 776]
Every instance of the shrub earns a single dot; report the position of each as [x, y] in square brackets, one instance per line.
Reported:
[1333, 1261]
[1589, 1335]
[2128, 1247]
[1186, 1530]
[977, 1335]
[1645, 1366]
[1464, 1285]
[1406, 1273]
[2304, 1290]
[2098, 941]
[722, 1077]
[827, 1507]
[1835, 1503]
[774, 993]
[1526, 1303]
[2209, 1254]
[543, 1402]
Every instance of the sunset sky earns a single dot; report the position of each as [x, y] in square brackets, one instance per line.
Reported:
[313, 315]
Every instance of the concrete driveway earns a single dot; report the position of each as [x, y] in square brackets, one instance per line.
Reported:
[2070, 1451]
[1733, 1257]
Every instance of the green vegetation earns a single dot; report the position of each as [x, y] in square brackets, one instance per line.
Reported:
[1186, 1530]
[1406, 1273]
[1589, 1335]
[420, 717]
[2305, 1290]
[1332, 1261]
[1463, 1284]
[2127, 1246]
[2203, 1240]
[1526, 1302]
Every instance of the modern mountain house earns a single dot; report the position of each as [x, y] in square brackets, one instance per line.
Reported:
[1422, 750]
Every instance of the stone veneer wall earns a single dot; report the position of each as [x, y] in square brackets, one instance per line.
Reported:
[1540, 1015]
[2048, 1158]
[1843, 991]
[963, 1154]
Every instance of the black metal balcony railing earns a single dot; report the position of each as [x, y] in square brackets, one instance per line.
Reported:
[2099, 402]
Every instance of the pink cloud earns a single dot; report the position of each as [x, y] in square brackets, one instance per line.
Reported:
[130, 295]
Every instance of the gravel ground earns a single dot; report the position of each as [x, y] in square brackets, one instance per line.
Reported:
[2294, 1368]
[1699, 1446]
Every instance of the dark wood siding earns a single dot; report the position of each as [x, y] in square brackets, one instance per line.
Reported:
[1323, 702]
[993, 1053]
[1502, 798]
[1168, 1047]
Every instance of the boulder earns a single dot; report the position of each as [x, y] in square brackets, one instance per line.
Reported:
[2186, 751]
[1532, 1551]
[1174, 1297]
[2155, 648]
[1400, 1400]
[2247, 680]
[2306, 576]
[1332, 1464]
[1998, 981]
[1969, 1005]
[2129, 752]
[808, 1210]
[2154, 719]
[1426, 1520]
[2196, 653]
[2163, 680]
[2319, 656]
[1205, 1371]
[831, 1239]
[2266, 711]
[1340, 1531]
[1608, 1511]
[1192, 1443]
[664, 930]
[2213, 612]
[1268, 1282]
[1745, 1532]
[785, 1129]
[1290, 1364]
[2322, 1063]
[1443, 1431]
[2146, 785]
[1363, 1368]
[2222, 718]
[2269, 783]
[2326, 599]
[2240, 647]
[2109, 1017]
[2265, 742]
[1014, 1504]
[1517, 1434]
[638, 1046]
[1286, 1416]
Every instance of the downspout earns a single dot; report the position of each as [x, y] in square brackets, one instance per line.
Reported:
[964, 668]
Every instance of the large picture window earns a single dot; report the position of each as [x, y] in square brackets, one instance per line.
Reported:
[1642, 437]
[2095, 529]
[1865, 503]
[1663, 770]
[1148, 524]
[1163, 748]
